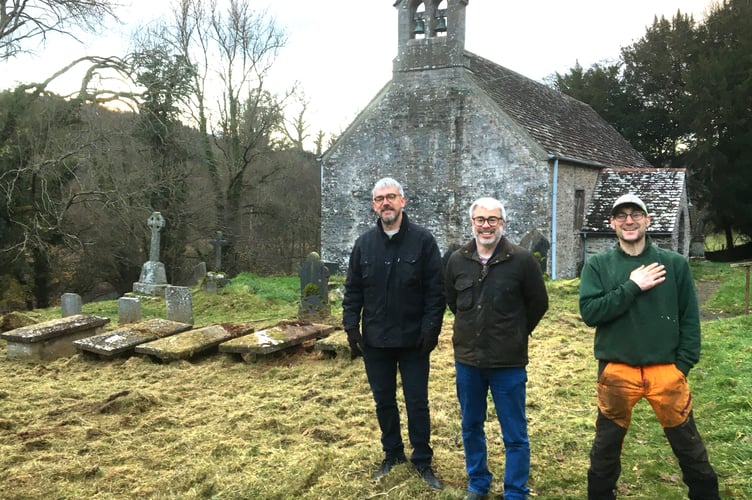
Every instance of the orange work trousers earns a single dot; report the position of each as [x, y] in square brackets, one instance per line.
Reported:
[664, 386]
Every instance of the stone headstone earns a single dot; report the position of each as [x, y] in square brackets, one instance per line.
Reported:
[155, 222]
[218, 242]
[538, 245]
[179, 304]
[314, 289]
[70, 304]
[129, 310]
[197, 274]
[153, 279]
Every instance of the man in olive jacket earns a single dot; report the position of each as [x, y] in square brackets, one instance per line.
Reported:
[497, 293]
[393, 308]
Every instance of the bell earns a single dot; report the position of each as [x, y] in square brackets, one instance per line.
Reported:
[441, 26]
[420, 26]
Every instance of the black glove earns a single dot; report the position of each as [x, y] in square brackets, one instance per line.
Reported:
[356, 343]
[427, 343]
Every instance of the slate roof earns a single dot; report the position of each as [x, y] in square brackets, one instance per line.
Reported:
[563, 126]
[662, 190]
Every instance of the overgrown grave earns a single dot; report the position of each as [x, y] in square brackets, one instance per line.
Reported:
[283, 335]
[52, 339]
[189, 343]
[123, 340]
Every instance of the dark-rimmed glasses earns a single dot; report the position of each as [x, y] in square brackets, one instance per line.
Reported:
[390, 197]
[636, 216]
[492, 221]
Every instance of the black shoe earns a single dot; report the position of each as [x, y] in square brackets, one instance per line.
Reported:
[387, 464]
[428, 476]
[474, 496]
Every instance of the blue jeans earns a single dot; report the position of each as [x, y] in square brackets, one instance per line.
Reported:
[507, 386]
[381, 368]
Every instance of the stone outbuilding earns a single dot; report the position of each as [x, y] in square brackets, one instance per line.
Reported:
[664, 192]
[452, 126]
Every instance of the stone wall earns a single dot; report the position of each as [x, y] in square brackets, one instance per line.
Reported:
[569, 243]
[448, 144]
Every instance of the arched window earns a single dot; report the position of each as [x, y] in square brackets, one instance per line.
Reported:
[419, 19]
[440, 18]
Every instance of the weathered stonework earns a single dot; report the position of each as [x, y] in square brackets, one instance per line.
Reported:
[452, 127]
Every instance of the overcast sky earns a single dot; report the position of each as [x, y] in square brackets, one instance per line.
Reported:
[341, 51]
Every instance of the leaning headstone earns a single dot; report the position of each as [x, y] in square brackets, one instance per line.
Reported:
[314, 289]
[197, 274]
[70, 304]
[153, 279]
[129, 310]
[179, 304]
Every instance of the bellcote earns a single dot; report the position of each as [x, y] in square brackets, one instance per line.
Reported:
[431, 34]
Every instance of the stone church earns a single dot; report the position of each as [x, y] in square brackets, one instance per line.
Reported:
[452, 126]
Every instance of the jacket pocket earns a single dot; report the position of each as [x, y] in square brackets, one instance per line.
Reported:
[464, 288]
[410, 270]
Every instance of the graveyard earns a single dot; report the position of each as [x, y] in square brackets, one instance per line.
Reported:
[299, 422]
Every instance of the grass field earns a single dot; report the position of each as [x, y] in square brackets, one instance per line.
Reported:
[295, 425]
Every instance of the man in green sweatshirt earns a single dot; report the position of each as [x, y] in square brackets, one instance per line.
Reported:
[642, 301]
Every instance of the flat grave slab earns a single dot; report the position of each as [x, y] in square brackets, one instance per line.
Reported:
[126, 338]
[52, 339]
[186, 344]
[276, 338]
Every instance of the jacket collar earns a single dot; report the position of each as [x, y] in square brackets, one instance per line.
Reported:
[402, 229]
[504, 250]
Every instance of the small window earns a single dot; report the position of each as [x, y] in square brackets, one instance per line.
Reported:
[579, 208]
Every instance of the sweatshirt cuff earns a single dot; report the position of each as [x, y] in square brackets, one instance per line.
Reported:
[683, 367]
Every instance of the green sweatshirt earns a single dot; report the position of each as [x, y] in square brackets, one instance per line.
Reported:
[660, 325]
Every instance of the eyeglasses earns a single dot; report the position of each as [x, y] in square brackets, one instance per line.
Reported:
[492, 221]
[636, 216]
[390, 197]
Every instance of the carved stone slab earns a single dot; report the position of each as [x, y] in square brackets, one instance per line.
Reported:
[276, 338]
[52, 339]
[185, 344]
[126, 338]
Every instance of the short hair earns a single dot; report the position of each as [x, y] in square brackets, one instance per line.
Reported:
[387, 182]
[489, 204]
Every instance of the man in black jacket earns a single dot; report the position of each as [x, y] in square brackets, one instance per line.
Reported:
[394, 295]
[495, 290]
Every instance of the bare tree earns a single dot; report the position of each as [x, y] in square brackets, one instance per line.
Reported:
[230, 51]
[296, 128]
[22, 21]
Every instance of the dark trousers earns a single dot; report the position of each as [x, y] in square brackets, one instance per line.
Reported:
[382, 365]
[665, 387]
[685, 441]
